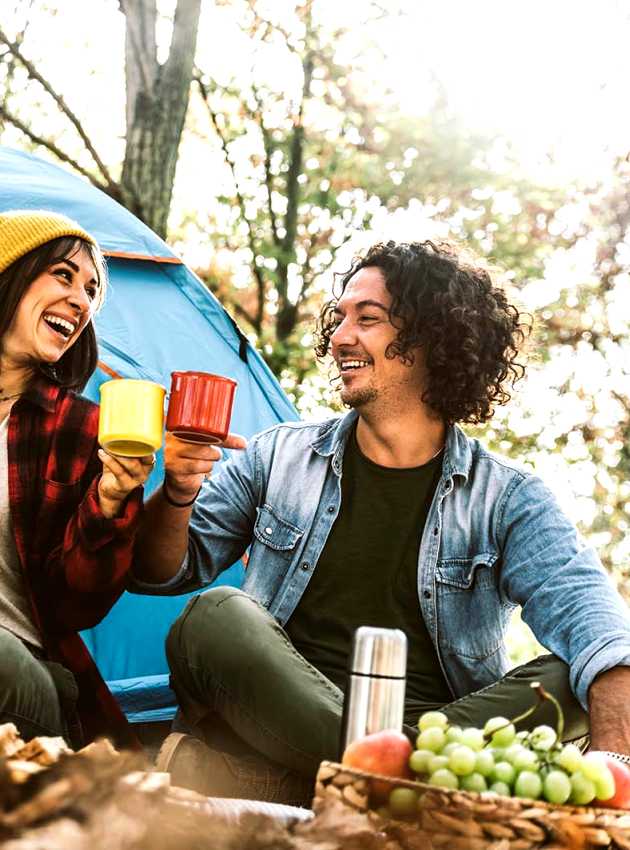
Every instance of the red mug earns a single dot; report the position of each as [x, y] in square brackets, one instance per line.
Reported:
[200, 406]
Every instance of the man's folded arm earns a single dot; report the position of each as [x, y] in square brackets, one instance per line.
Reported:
[567, 597]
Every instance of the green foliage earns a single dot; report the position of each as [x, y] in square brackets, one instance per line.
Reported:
[312, 164]
[522, 646]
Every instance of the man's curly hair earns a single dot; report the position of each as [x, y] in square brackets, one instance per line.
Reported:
[447, 305]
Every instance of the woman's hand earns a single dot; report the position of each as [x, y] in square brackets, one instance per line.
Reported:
[187, 464]
[120, 476]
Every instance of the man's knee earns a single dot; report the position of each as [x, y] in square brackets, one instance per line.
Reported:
[221, 628]
[216, 624]
[208, 615]
[214, 636]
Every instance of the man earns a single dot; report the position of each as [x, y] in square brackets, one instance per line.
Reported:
[390, 517]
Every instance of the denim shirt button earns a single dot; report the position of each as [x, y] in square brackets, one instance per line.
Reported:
[427, 594]
[268, 530]
[306, 566]
[331, 509]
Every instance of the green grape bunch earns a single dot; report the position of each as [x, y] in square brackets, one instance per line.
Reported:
[498, 759]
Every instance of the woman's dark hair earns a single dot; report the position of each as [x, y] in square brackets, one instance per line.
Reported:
[74, 368]
[448, 306]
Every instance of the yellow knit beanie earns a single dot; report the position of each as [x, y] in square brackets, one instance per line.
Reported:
[23, 230]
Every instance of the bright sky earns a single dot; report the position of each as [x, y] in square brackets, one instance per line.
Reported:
[551, 76]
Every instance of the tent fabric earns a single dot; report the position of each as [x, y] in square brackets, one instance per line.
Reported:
[158, 317]
[33, 183]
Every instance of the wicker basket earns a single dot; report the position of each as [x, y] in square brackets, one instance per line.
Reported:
[459, 820]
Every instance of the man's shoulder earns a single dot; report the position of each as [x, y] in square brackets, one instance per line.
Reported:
[486, 462]
[298, 432]
[482, 454]
[498, 481]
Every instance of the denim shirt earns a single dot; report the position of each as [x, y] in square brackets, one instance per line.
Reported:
[494, 538]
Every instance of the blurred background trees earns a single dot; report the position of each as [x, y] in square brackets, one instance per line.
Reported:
[308, 165]
[309, 132]
[157, 95]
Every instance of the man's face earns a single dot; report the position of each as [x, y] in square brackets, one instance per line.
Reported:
[360, 340]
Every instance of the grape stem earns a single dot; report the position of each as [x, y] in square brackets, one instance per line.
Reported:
[542, 695]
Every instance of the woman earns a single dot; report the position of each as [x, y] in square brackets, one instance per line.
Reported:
[68, 511]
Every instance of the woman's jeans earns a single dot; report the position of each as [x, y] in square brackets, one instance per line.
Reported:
[34, 694]
[270, 717]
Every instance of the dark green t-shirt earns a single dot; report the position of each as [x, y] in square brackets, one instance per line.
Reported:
[367, 574]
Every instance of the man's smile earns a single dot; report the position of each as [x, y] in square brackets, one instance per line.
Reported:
[352, 365]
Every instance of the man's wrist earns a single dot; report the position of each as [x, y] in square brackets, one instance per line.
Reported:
[609, 698]
[177, 500]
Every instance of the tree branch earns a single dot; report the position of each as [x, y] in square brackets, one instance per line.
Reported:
[11, 62]
[259, 20]
[260, 282]
[267, 144]
[64, 108]
[309, 280]
[296, 152]
[243, 313]
[148, 53]
[51, 146]
[623, 401]
[180, 62]
[141, 65]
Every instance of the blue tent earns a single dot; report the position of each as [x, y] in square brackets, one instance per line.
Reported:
[158, 317]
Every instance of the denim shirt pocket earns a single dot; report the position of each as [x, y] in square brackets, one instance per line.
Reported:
[275, 532]
[470, 613]
[275, 544]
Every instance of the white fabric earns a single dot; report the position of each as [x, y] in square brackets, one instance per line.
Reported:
[15, 608]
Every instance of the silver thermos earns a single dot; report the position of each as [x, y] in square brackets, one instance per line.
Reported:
[375, 695]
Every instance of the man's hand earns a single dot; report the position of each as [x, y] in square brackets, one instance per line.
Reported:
[187, 464]
[609, 711]
[120, 476]
[162, 539]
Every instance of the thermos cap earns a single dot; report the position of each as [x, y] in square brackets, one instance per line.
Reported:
[379, 652]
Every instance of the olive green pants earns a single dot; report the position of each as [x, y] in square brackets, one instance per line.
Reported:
[245, 690]
[35, 694]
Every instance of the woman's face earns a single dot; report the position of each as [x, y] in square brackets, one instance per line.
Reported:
[53, 312]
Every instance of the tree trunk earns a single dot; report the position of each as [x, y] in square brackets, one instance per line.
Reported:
[157, 101]
[287, 313]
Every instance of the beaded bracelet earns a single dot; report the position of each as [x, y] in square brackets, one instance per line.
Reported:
[617, 756]
[178, 504]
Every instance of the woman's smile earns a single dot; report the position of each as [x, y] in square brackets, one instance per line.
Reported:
[53, 311]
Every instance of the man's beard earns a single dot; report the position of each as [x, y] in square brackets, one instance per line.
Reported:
[357, 398]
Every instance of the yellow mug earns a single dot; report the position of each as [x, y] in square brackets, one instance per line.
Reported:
[131, 419]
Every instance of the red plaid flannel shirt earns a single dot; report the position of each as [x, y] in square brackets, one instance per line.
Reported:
[75, 560]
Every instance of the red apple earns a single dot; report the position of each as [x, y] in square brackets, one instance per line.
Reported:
[621, 775]
[386, 752]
